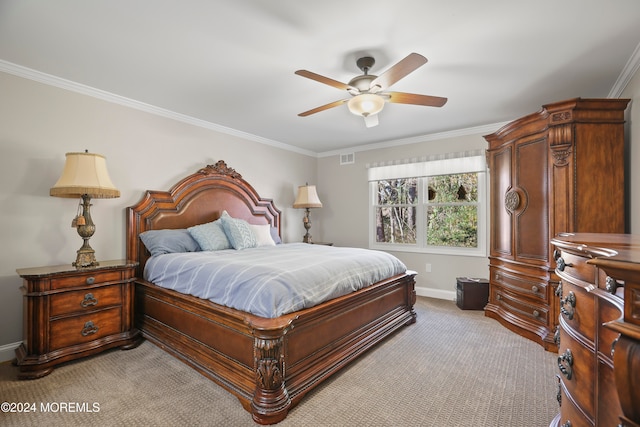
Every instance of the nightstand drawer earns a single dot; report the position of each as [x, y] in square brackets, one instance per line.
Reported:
[88, 327]
[84, 279]
[85, 300]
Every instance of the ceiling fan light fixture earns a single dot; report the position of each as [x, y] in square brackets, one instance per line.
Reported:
[366, 104]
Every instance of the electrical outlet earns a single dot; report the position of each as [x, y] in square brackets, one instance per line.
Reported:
[428, 268]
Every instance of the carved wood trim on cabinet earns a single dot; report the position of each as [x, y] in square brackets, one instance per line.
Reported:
[558, 170]
[600, 328]
[71, 313]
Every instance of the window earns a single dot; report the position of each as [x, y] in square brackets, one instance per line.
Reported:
[436, 206]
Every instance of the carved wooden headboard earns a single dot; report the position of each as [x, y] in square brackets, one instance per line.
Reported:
[197, 199]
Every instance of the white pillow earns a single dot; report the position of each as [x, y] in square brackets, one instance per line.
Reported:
[263, 235]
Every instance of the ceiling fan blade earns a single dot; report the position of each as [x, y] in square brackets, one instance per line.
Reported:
[371, 120]
[323, 107]
[412, 98]
[323, 79]
[398, 71]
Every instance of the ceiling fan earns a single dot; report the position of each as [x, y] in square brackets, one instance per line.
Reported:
[368, 92]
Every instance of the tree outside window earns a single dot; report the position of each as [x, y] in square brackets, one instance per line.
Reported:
[396, 210]
[432, 211]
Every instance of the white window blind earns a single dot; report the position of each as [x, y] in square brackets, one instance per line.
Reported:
[445, 165]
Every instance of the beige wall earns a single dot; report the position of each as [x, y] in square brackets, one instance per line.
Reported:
[344, 192]
[40, 123]
[344, 218]
[632, 91]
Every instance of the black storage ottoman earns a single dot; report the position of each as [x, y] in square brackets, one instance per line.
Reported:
[472, 294]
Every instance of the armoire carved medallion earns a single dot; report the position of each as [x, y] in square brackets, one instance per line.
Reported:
[558, 170]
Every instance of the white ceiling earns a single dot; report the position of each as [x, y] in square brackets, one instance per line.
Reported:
[230, 63]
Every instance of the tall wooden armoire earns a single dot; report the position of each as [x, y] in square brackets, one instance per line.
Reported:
[559, 170]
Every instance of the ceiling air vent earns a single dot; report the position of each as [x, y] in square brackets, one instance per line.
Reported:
[347, 159]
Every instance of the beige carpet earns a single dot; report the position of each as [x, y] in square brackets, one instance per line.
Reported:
[451, 368]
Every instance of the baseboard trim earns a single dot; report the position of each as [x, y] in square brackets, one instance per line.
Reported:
[436, 293]
[7, 351]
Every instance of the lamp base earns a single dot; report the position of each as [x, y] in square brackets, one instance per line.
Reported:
[306, 221]
[86, 258]
[86, 255]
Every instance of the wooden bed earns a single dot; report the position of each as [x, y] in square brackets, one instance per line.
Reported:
[269, 364]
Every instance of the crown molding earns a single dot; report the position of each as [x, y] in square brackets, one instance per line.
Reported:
[48, 79]
[621, 83]
[484, 129]
[627, 74]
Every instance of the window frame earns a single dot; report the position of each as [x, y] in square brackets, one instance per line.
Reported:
[421, 210]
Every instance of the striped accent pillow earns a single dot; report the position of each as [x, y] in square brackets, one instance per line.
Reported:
[238, 232]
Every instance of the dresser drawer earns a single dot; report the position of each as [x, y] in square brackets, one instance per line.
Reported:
[524, 308]
[577, 309]
[569, 412]
[80, 329]
[576, 266]
[575, 366]
[84, 279]
[528, 286]
[85, 300]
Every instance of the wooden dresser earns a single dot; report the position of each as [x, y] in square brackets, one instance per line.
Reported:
[548, 171]
[70, 313]
[597, 368]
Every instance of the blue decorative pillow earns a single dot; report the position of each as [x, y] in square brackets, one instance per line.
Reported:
[210, 236]
[238, 232]
[168, 241]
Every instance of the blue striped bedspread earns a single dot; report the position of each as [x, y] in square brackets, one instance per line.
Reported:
[270, 281]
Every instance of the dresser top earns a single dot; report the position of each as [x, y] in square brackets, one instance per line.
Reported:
[616, 247]
[68, 268]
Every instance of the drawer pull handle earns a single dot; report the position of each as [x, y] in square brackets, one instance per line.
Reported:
[534, 289]
[556, 254]
[565, 364]
[559, 289]
[562, 264]
[567, 424]
[570, 300]
[89, 329]
[91, 280]
[611, 285]
[89, 300]
[536, 313]
[613, 345]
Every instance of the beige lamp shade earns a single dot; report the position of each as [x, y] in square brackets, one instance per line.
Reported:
[85, 173]
[307, 197]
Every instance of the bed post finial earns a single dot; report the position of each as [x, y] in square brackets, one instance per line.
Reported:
[220, 168]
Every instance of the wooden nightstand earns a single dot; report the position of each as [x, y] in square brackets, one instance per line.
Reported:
[71, 313]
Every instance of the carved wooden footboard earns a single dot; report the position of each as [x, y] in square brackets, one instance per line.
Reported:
[269, 364]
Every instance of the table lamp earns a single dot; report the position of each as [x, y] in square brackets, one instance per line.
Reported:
[85, 175]
[307, 198]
